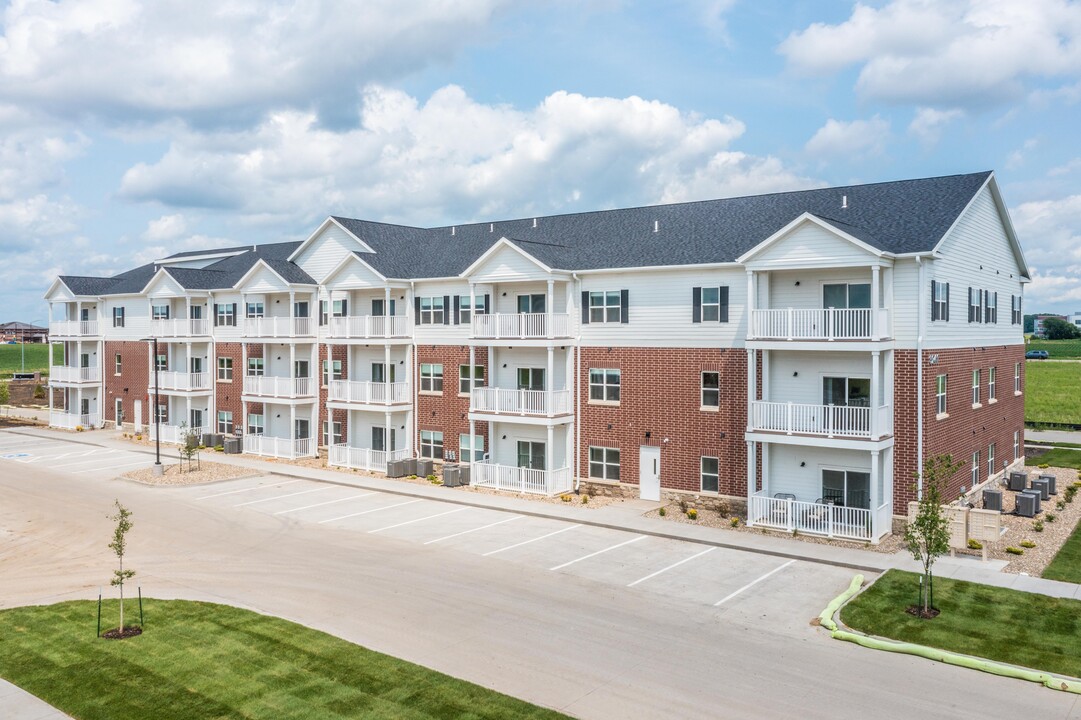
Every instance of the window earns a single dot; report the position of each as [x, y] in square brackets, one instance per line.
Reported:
[604, 385]
[225, 314]
[332, 371]
[1016, 444]
[990, 460]
[530, 378]
[118, 317]
[974, 472]
[940, 300]
[255, 367]
[162, 363]
[975, 387]
[463, 378]
[990, 306]
[432, 310]
[431, 444]
[379, 307]
[431, 378]
[991, 393]
[254, 310]
[338, 308]
[1017, 377]
[604, 306]
[119, 363]
[940, 394]
[300, 369]
[225, 368]
[532, 455]
[711, 389]
[710, 475]
[225, 422]
[379, 373]
[1016, 318]
[159, 312]
[332, 433]
[255, 424]
[163, 413]
[604, 463]
[463, 313]
[851, 488]
[534, 303]
[975, 308]
[323, 304]
[471, 450]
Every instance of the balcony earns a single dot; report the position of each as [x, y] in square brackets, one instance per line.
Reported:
[521, 480]
[843, 421]
[368, 393]
[819, 324]
[73, 420]
[179, 328]
[175, 433]
[533, 403]
[522, 326]
[279, 387]
[364, 327]
[363, 458]
[278, 327]
[73, 328]
[828, 520]
[74, 375]
[276, 447]
[181, 381]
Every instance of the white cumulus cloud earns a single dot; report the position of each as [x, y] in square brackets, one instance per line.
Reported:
[849, 139]
[929, 123]
[1050, 233]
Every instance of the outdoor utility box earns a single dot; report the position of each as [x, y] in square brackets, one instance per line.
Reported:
[232, 445]
[425, 467]
[1043, 486]
[1050, 483]
[463, 472]
[452, 476]
[1035, 494]
[992, 500]
[395, 469]
[1017, 481]
[409, 467]
[1027, 504]
[208, 440]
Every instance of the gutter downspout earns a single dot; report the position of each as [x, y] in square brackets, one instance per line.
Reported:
[414, 380]
[920, 326]
[577, 388]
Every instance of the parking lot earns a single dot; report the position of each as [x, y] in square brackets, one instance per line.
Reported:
[64, 454]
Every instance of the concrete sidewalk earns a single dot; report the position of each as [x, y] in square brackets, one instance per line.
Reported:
[17, 704]
[1053, 436]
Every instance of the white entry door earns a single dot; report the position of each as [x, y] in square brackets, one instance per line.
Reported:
[649, 473]
[138, 419]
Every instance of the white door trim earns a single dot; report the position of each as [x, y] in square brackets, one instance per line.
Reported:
[649, 472]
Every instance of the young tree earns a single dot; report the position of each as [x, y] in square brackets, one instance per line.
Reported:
[927, 536]
[189, 444]
[5, 394]
[119, 545]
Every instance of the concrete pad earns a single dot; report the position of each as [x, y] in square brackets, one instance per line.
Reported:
[565, 547]
[495, 539]
[386, 511]
[633, 562]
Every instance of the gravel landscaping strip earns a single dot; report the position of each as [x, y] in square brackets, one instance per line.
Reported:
[207, 472]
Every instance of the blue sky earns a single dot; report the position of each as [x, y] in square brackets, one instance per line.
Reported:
[131, 130]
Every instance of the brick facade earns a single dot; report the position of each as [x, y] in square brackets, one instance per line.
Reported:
[338, 352]
[132, 384]
[448, 412]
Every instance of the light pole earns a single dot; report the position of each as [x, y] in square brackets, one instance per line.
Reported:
[158, 469]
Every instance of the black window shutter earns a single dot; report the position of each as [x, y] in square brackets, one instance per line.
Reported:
[585, 307]
[934, 307]
[971, 308]
[624, 306]
[996, 307]
[122, 310]
[446, 309]
[723, 295]
[232, 320]
[215, 308]
[947, 302]
[457, 310]
[166, 312]
[696, 305]
[486, 301]
[345, 308]
[416, 308]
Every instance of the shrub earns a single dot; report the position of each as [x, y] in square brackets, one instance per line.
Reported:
[1043, 466]
[683, 504]
[219, 448]
[662, 512]
[974, 544]
[723, 510]
[39, 392]
[733, 521]
[412, 477]
[692, 514]
[1061, 505]
[431, 478]
[585, 499]
[1028, 544]
[1050, 517]
[1038, 525]
[565, 497]
[1015, 551]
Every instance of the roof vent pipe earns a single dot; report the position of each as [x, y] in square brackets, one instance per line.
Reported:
[491, 227]
[656, 225]
[453, 229]
[534, 222]
[844, 202]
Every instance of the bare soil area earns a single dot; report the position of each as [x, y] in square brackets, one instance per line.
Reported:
[203, 472]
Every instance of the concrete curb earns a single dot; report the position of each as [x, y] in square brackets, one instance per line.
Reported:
[831, 615]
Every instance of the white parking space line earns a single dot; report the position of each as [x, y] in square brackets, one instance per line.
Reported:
[234, 492]
[482, 527]
[282, 497]
[365, 512]
[111, 467]
[86, 458]
[599, 552]
[526, 542]
[327, 502]
[752, 583]
[673, 565]
[417, 520]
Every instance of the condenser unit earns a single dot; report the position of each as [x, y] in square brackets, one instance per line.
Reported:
[1051, 482]
[992, 500]
[1042, 486]
[1017, 481]
[1027, 504]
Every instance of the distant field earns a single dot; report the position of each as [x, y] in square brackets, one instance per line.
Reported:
[1057, 348]
[1052, 391]
[37, 358]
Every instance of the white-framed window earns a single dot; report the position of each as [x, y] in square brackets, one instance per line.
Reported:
[332, 371]
[711, 389]
[225, 422]
[532, 303]
[431, 378]
[337, 308]
[1016, 317]
[466, 313]
[471, 448]
[1016, 444]
[991, 392]
[159, 312]
[254, 310]
[431, 444]
[162, 363]
[990, 304]
[940, 394]
[711, 477]
[974, 473]
[604, 463]
[256, 367]
[119, 363]
[975, 387]
[432, 310]
[975, 305]
[255, 424]
[990, 460]
[604, 384]
[1017, 377]
[711, 304]
[604, 306]
[332, 433]
[225, 368]
[463, 378]
[940, 300]
[226, 314]
[163, 413]
[118, 317]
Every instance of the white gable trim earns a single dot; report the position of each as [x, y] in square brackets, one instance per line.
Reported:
[502, 243]
[53, 288]
[364, 247]
[1007, 224]
[805, 218]
[262, 263]
[351, 257]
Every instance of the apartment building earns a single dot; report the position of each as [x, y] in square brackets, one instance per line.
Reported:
[798, 353]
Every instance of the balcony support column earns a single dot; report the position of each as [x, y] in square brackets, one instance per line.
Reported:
[876, 381]
[752, 481]
[244, 417]
[751, 384]
[187, 416]
[549, 449]
[549, 381]
[751, 304]
[876, 470]
[292, 426]
[549, 300]
[876, 301]
[244, 364]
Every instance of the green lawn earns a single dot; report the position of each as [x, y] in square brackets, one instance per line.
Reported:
[1051, 392]
[37, 357]
[1034, 631]
[1067, 564]
[200, 660]
[1059, 457]
[1056, 348]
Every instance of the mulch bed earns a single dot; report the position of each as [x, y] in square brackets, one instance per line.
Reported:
[118, 634]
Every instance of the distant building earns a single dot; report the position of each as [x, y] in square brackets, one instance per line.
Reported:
[23, 332]
[1075, 318]
[1040, 331]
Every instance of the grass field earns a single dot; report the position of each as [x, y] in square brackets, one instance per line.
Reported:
[37, 358]
[976, 620]
[200, 660]
[1057, 348]
[1058, 457]
[1067, 563]
[1051, 392]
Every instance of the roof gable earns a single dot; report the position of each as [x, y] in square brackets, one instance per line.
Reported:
[330, 222]
[353, 273]
[810, 241]
[163, 285]
[261, 278]
[505, 260]
[974, 213]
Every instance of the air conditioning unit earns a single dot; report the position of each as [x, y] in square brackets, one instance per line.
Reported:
[1026, 504]
[1034, 493]
[1051, 482]
[395, 469]
[1017, 481]
[1041, 486]
[452, 475]
[992, 500]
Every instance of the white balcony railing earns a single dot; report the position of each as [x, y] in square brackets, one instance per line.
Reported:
[503, 401]
[73, 420]
[277, 447]
[279, 387]
[818, 324]
[363, 458]
[278, 327]
[172, 380]
[369, 393]
[68, 374]
[73, 328]
[827, 420]
[808, 517]
[522, 326]
[179, 327]
[369, 326]
[521, 480]
[174, 433]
